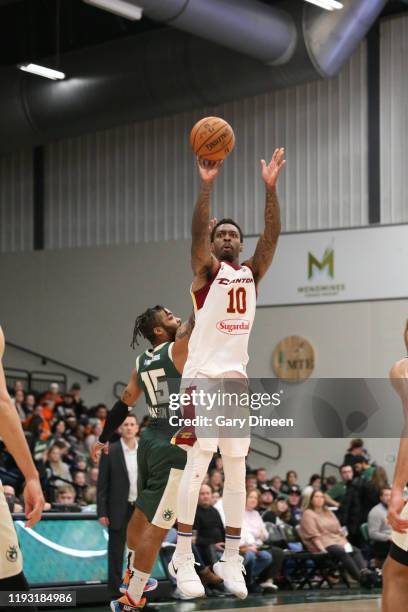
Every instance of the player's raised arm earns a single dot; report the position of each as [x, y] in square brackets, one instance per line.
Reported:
[399, 380]
[117, 415]
[268, 240]
[180, 347]
[202, 261]
[406, 335]
[12, 434]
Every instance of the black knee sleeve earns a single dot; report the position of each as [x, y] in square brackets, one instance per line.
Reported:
[14, 583]
[17, 583]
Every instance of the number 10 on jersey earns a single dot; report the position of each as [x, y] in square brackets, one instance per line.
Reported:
[237, 300]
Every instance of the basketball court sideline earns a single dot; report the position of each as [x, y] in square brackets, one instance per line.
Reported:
[290, 602]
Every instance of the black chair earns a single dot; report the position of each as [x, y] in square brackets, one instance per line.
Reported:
[309, 569]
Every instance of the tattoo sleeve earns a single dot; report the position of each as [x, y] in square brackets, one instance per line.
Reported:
[200, 247]
[267, 242]
[186, 328]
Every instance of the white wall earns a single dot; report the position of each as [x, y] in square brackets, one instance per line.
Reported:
[79, 306]
[393, 114]
[16, 202]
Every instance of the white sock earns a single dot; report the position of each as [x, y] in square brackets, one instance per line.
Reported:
[231, 547]
[137, 584]
[183, 546]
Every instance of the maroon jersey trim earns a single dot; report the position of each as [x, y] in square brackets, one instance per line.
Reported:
[232, 265]
[246, 264]
[201, 294]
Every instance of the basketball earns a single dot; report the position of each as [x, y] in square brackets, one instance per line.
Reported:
[212, 138]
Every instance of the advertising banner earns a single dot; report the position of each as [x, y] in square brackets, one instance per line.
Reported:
[336, 266]
[66, 551]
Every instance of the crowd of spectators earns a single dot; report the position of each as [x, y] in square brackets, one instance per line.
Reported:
[321, 516]
[60, 430]
[343, 517]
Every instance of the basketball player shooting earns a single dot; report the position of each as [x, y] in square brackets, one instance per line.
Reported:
[222, 289]
[395, 572]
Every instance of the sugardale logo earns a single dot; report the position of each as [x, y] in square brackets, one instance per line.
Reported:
[233, 327]
[326, 262]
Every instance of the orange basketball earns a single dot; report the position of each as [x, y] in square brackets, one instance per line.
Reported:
[212, 138]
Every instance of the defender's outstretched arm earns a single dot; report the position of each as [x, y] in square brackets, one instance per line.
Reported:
[180, 347]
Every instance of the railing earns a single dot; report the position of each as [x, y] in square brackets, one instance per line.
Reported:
[36, 381]
[14, 374]
[326, 465]
[273, 443]
[40, 381]
[46, 359]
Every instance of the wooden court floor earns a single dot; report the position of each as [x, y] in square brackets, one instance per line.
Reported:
[306, 602]
[371, 605]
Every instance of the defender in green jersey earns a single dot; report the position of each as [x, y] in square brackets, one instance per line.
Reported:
[160, 464]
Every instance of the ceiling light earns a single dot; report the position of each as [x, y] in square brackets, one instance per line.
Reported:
[122, 8]
[329, 5]
[43, 71]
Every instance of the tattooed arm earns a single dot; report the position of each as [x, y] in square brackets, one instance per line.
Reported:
[268, 240]
[180, 347]
[202, 260]
[132, 391]
[186, 328]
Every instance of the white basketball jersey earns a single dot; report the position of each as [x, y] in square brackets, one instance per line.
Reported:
[224, 314]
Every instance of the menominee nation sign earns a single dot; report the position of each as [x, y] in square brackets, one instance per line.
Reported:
[322, 270]
[315, 264]
[336, 266]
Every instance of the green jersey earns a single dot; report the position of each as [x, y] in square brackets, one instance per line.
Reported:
[367, 474]
[338, 491]
[158, 377]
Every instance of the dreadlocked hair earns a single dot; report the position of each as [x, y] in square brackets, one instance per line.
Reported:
[144, 325]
